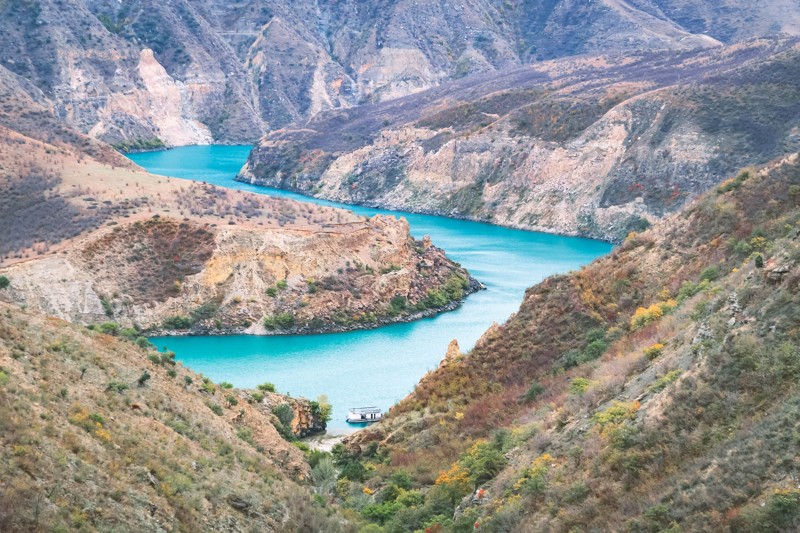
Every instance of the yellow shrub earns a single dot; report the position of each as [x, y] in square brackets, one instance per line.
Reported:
[642, 317]
[654, 351]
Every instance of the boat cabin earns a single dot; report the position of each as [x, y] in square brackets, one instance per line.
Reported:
[364, 415]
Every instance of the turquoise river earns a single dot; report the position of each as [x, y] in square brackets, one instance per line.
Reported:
[379, 366]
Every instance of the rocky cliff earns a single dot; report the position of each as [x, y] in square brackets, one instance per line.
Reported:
[163, 275]
[596, 147]
[144, 73]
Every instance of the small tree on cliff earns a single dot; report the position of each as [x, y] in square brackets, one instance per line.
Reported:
[285, 415]
[322, 408]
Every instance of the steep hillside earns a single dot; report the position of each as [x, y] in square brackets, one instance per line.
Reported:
[90, 242]
[654, 390]
[165, 275]
[595, 147]
[98, 434]
[143, 73]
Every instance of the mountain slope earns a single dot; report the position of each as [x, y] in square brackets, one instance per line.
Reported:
[593, 146]
[90, 444]
[142, 72]
[89, 237]
[655, 389]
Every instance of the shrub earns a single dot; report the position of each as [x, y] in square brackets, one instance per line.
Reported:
[483, 461]
[781, 512]
[257, 397]
[643, 317]
[187, 380]
[733, 183]
[618, 413]
[534, 391]
[232, 400]
[323, 474]
[354, 471]
[266, 387]
[272, 292]
[208, 386]
[434, 298]
[689, 289]
[742, 248]
[282, 285]
[109, 328]
[455, 286]
[594, 350]
[759, 260]
[282, 320]
[4, 282]
[116, 386]
[579, 386]
[397, 304]
[285, 415]
[322, 408]
[654, 351]
[662, 382]
[215, 408]
[177, 322]
[226, 385]
[710, 274]
[534, 478]
[144, 378]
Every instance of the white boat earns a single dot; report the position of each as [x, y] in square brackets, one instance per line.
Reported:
[363, 415]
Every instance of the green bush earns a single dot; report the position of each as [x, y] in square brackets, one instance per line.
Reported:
[144, 378]
[397, 304]
[733, 183]
[322, 408]
[208, 386]
[4, 282]
[272, 292]
[534, 391]
[594, 350]
[116, 386]
[177, 322]
[109, 328]
[780, 513]
[710, 274]
[285, 415]
[743, 248]
[257, 397]
[215, 408]
[282, 320]
[579, 386]
[434, 298]
[455, 286]
[759, 260]
[282, 285]
[266, 387]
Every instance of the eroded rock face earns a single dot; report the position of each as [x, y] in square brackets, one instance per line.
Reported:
[165, 275]
[598, 148]
[186, 71]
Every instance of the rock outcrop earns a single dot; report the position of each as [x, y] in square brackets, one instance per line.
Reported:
[594, 147]
[142, 72]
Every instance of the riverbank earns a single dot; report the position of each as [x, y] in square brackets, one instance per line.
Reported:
[307, 329]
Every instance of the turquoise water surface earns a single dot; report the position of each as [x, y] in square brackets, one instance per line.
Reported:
[379, 366]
